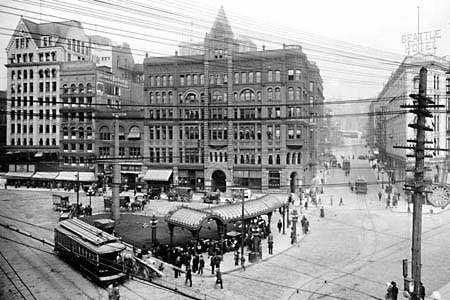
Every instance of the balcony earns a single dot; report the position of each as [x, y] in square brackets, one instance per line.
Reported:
[218, 143]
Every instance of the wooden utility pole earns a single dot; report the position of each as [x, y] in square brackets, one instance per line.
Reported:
[419, 186]
[116, 170]
[241, 193]
[420, 108]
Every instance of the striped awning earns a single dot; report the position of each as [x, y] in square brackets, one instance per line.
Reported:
[72, 176]
[158, 175]
[19, 174]
[45, 175]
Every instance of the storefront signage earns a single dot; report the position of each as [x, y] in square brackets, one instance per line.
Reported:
[422, 42]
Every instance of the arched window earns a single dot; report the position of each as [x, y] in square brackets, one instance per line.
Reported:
[73, 132]
[53, 142]
[164, 97]
[65, 132]
[54, 73]
[288, 158]
[298, 94]
[81, 133]
[41, 142]
[89, 132]
[65, 89]
[299, 158]
[242, 159]
[158, 97]
[258, 96]
[121, 133]
[105, 135]
[41, 74]
[270, 159]
[171, 97]
[73, 88]
[290, 94]
[293, 159]
[89, 88]
[269, 94]
[235, 95]
[47, 73]
[277, 94]
[247, 95]
[210, 156]
[47, 142]
[191, 98]
[278, 159]
[135, 133]
[80, 88]
[151, 97]
[30, 142]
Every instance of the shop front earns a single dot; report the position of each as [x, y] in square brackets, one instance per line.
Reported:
[250, 179]
[161, 179]
[193, 178]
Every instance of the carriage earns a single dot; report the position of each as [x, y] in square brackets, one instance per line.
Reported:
[61, 203]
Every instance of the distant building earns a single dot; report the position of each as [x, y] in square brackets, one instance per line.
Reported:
[225, 118]
[392, 125]
[3, 160]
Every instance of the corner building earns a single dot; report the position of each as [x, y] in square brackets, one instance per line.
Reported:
[228, 119]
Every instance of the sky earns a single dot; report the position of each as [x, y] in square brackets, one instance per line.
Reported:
[356, 43]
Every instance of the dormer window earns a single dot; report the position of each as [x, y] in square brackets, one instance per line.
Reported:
[45, 41]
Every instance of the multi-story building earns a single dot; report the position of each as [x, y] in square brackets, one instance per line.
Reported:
[393, 123]
[232, 119]
[3, 160]
[56, 78]
[35, 53]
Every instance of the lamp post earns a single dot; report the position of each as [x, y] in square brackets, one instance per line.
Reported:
[90, 194]
[154, 223]
[294, 224]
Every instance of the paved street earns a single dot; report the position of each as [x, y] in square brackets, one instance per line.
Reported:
[349, 254]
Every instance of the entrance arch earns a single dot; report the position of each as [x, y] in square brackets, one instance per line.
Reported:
[219, 181]
[293, 183]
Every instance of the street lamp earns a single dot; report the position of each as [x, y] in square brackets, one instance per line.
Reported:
[294, 225]
[153, 224]
[90, 194]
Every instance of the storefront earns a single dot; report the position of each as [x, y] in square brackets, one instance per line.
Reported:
[44, 179]
[248, 178]
[158, 178]
[193, 178]
[130, 177]
[70, 180]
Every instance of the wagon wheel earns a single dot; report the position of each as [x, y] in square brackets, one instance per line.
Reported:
[155, 198]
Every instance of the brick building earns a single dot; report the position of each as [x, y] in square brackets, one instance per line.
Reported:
[232, 119]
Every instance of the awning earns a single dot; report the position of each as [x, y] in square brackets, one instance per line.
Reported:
[45, 175]
[134, 135]
[131, 172]
[39, 154]
[72, 176]
[19, 174]
[158, 175]
[188, 218]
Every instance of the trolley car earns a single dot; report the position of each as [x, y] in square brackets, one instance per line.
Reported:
[92, 250]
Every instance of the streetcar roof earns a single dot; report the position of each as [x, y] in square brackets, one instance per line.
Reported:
[90, 236]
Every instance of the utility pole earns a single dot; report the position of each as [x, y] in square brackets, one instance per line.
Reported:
[243, 229]
[116, 170]
[420, 108]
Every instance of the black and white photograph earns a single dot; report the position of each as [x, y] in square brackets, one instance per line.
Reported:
[224, 150]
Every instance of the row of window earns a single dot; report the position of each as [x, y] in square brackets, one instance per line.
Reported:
[77, 117]
[77, 89]
[218, 156]
[49, 114]
[273, 94]
[77, 133]
[82, 101]
[133, 134]
[22, 42]
[77, 46]
[76, 161]
[191, 155]
[77, 147]
[222, 78]
[23, 142]
[28, 74]
[161, 132]
[23, 128]
[161, 155]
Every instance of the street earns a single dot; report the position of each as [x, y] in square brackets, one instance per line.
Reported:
[349, 254]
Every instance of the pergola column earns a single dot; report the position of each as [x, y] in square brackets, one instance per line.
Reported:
[269, 219]
[171, 228]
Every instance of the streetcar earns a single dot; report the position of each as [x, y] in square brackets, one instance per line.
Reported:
[346, 165]
[90, 249]
[361, 186]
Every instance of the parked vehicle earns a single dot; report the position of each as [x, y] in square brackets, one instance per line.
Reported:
[346, 165]
[181, 193]
[211, 197]
[154, 193]
[61, 203]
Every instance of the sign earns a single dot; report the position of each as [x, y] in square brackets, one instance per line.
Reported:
[440, 196]
[422, 42]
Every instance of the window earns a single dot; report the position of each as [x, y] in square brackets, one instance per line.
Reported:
[277, 94]
[258, 77]
[250, 77]
[311, 86]
[244, 77]
[269, 94]
[290, 94]
[274, 179]
[297, 75]
[270, 75]
[290, 74]
[105, 135]
[269, 132]
[298, 94]
[291, 132]
[277, 75]
[236, 78]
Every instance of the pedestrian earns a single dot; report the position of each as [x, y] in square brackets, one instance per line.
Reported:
[331, 200]
[236, 258]
[212, 263]
[201, 265]
[177, 265]
[279, 225]
[379, 195]
[217, 261]
[306, 226]
[188, 276]
[306, 205]
[394, 291]
[341, 202]
[292, 236]
[243, 262]
[113, 292]
[388, 295]
[421, 291]
[322, 212]
[195, 262]
[219, 278]
[270, 243]
[388, 202]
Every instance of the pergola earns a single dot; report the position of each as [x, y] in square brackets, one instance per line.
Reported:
[192, 219]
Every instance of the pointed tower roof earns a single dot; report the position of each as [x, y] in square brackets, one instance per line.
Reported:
[221, 27]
